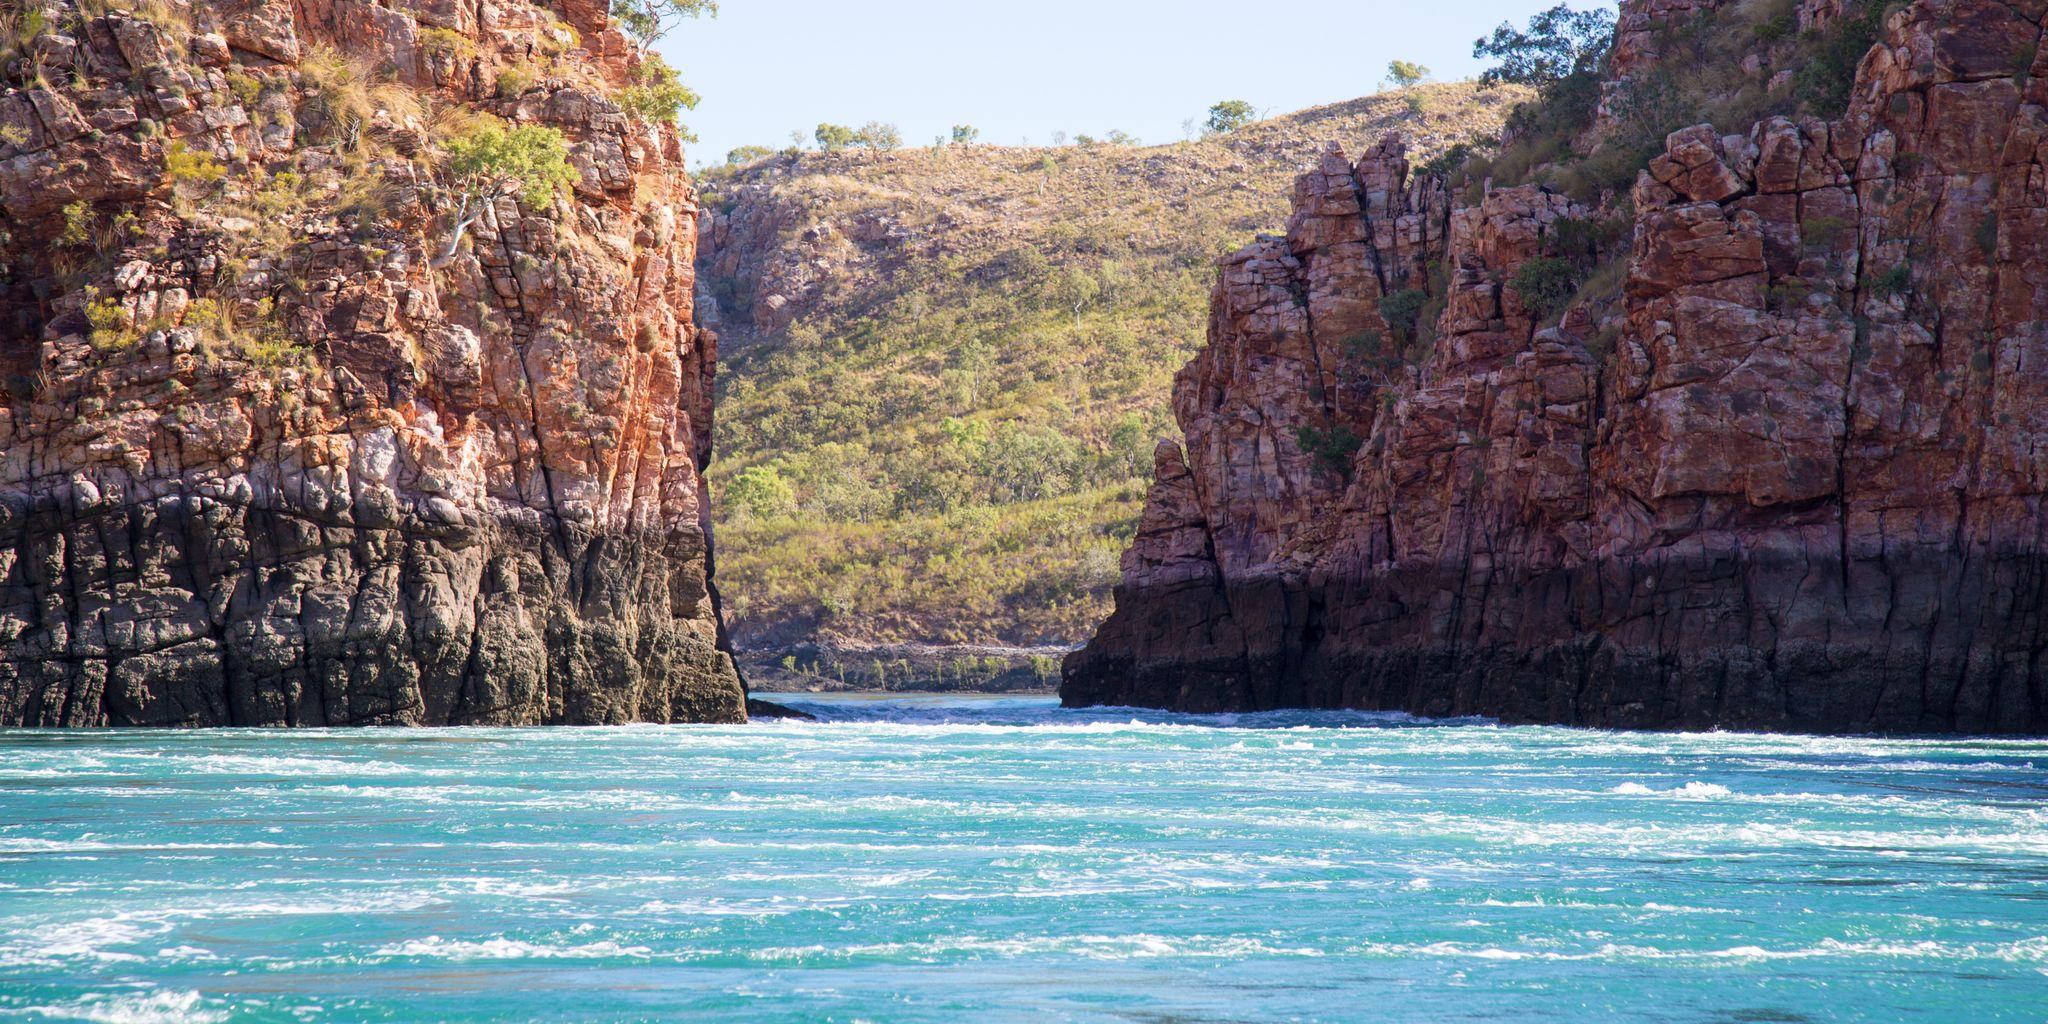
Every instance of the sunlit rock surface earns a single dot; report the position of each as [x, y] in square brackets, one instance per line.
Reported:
[464, 493]
[1799, 486]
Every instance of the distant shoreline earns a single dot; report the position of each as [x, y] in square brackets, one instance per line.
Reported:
[903, 668]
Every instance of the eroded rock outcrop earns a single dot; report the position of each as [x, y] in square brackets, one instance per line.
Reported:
[268, 456]
[1796, 482]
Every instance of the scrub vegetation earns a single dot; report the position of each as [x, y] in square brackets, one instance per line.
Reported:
[949, 439]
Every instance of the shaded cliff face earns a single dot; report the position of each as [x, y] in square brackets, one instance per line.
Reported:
[267, 458]
[1790, 478]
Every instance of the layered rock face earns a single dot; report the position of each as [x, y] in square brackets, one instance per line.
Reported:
[1795, 483]
[269, 453]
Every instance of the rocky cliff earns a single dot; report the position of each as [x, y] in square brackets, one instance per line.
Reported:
[272, 450]
[1789, 475]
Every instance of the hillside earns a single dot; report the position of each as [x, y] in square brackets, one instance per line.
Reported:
[946, 368]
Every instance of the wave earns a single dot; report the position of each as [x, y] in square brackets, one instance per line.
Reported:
[434, 947]
[158, 1007]
[1139, 946]
[1691, 790]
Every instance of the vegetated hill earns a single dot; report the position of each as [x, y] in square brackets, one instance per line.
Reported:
[946, 368]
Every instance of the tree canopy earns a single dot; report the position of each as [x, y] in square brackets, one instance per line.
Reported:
[1558, 44]
[1406, 73]
[648, 20]
[873, 135]
[489, 161]
[657, 93]
[1229, 116]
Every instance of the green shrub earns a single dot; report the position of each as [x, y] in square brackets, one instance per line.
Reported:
[1828, 70]
[657, 94]
[1402, 311]
[1450, 162]
[187, 166]
[111, 328]
[489, 160]
[1406, 73]
[878, 135]
[1546, 286]
[246, 87]
[833, 137]
[444, 42]
[1229, 116]
[261, 340]
[514, 80]
[1331, 451]
[761, 491]
[78, 221]
[1894, 282]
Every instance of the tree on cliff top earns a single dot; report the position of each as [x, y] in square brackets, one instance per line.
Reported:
[658, 94]
[873, 135]
[833, 137]
[1229, 116]
[490, 161]
[648, 20]
[1406, 73]
[1558, 44]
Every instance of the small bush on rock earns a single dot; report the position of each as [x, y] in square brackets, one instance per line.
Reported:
[1546, 285]
[489, 161]
[658, 94]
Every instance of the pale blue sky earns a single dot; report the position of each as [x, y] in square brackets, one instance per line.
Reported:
[1019, 70]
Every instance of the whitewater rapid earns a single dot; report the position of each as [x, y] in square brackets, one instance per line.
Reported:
[946, 859]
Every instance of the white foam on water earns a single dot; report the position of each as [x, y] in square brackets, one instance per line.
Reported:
[1138, 946]
[1701, 790]
[158, 1007]
[520, 890]
[435, 947]
[1691, 790]
[99, 938]
[292, 766]
[186, 953]
[2029, 951]
[88, 844]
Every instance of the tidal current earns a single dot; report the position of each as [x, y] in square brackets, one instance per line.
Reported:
[1001, 860]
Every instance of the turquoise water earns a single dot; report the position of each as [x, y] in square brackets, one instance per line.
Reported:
[999, 860]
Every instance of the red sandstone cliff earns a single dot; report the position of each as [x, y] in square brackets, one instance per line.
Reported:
[1794, 481]
[265, 457]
